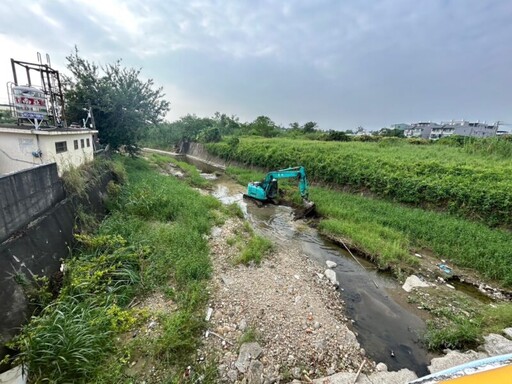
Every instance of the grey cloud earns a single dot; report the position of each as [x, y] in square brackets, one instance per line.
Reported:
[339, 63]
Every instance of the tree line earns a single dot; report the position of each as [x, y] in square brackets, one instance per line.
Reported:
[129, 112]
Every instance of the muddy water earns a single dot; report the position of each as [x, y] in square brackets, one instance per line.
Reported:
[385, 325]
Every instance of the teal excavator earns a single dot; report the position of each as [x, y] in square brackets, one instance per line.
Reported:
[267, 189]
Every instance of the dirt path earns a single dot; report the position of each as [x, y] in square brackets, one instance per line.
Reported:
[287, 306]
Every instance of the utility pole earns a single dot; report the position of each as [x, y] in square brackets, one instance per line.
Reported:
[92, 115]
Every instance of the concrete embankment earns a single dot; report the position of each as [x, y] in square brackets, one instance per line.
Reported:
[38, 221]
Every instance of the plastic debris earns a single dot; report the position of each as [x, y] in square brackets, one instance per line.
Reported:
[445, 268]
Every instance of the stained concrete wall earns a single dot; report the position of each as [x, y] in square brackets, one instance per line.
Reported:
[37, 251]
[27, 194]
[39, 247]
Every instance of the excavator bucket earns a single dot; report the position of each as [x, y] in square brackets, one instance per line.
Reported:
[307, 211]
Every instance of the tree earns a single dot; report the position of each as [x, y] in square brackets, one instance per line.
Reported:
[210, 135]
[227, 125]
[190, 126]
[123, 105]
[263, 126]
[391, 132]
[309, 127]
[294, 126]
[337, 136]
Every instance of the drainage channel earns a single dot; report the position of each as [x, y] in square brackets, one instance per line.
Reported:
[386, 327]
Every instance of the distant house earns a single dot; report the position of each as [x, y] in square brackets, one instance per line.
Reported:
[503, 132]
[463, 128]
[23, 147]
[400, 126]
[421, 129]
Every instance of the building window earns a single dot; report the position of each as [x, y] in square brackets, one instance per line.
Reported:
[61, 146]
[82, 143]
[88, 142]
[75, 142]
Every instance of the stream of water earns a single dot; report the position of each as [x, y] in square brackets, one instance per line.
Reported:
[386, 326]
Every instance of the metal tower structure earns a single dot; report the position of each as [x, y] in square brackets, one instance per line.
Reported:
[40, 100]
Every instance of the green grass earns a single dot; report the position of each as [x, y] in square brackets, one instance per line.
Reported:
[243, 175]
[193, 175]
[256, 249]
[389, 232]
[153, 240]
[180, 337]
[496, 318]
[459, 333]
[456, 329]
[65, 343]
[250, 335]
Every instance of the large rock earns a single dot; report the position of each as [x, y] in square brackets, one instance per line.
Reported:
[497, 345]
[401, 377]
[508, 332]
[331, 275]
[248, 352]
[255, 373]
[414, 281]
[452, 359]
[331, 264]
[14, 376]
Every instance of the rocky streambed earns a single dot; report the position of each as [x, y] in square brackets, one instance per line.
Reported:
[288, 308]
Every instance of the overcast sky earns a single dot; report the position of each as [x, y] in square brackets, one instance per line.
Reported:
[339, 63]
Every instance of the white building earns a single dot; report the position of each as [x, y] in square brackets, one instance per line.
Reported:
[25, 147]
[421, 129]
[463, 128]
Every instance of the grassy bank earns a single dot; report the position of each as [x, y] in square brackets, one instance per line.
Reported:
[476, 185]
[153, 242]
[390, 232]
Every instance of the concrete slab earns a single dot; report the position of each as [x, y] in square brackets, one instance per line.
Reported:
[497, 345]
[401, 377]
[454, 358]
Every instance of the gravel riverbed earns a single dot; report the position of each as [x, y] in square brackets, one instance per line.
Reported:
[286, 306]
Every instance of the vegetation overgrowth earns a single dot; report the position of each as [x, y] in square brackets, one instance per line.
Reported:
[390, 232]
[429, 176]
[459, 321]
[193, 178]
[152, 241]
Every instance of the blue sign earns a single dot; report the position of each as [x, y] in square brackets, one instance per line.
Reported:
[31, 115]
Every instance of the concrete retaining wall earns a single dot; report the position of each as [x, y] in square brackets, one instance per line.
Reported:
[39, 247]
[197, 150]
[27, 194]
[37, 251]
